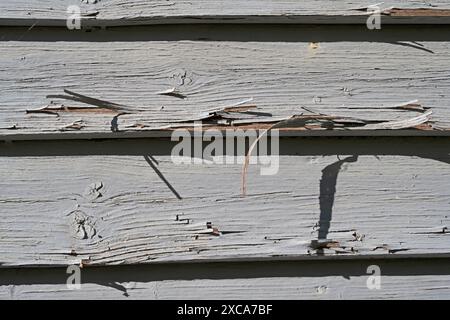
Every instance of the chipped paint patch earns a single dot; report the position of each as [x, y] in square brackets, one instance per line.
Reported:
[419, 12]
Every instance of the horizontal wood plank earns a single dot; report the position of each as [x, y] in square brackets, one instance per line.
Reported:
[106, 210]
[292, 288]
[281, 77]
[129, 12]
[400, 279]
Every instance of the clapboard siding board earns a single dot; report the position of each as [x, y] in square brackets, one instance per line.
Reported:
[292, 288]
[344, 279]
[122, 12]
[116, 210]
[281, 77]
[427, 278]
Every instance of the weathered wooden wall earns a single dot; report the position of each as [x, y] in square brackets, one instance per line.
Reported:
[93, 184]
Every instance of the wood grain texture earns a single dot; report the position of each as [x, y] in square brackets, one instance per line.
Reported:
[334, 77]
[292, 288]
[186, 230]
[400, 279]
[126, 12]
[99, 210]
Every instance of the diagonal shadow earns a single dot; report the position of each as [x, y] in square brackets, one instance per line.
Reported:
[327, 193]
[441, 158]
[153, 163]
[328, 183]
[413, 44]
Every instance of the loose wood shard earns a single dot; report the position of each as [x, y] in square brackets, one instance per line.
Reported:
[76, 125]
[402, 124]
[333, 122]
[56, 109]
[173, 92]
[413, 105]
[91, 101]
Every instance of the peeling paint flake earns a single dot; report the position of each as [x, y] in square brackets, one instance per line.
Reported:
[76, 125]
[173, 92]
[419, 12]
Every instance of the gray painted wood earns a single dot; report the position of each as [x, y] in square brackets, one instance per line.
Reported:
[292, 288]
[120, 12]
[400, 279]
[334, 78]
[79, 202]
[129, 209]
